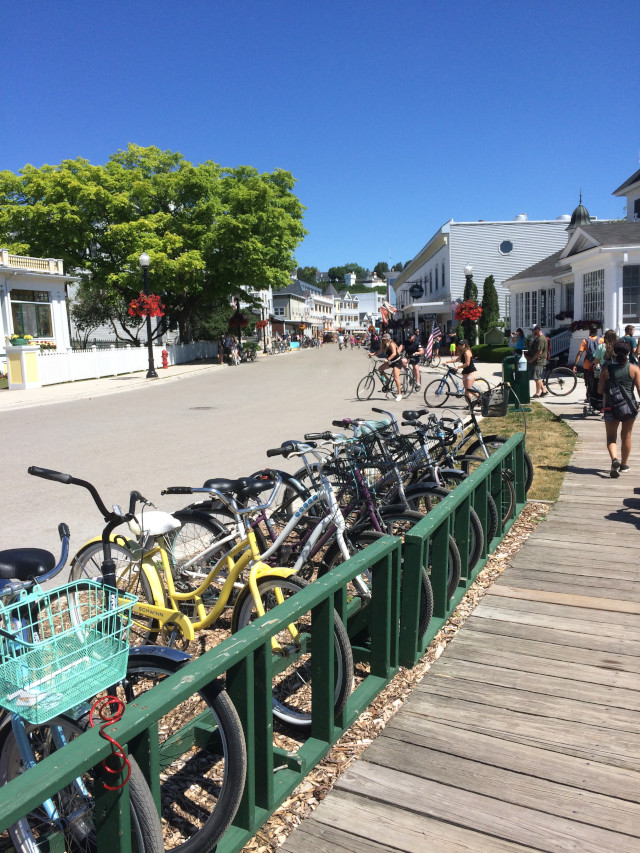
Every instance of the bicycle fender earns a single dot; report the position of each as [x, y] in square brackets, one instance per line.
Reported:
[155, 584]
[117, 539]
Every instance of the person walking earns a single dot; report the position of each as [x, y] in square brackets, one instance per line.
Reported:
[587, 352]
[464, 354]
[538, 352]
[629, 337]
[453, 343]
[627, 376]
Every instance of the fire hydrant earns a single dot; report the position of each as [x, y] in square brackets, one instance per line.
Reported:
[165, 358]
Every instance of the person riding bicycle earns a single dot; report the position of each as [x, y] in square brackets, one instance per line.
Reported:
[413, 349]
[390, 350]
[469, 371]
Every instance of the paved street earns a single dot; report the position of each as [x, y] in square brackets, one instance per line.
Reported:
[195, 422]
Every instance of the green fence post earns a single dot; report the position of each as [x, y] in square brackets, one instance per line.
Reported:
[322, 670]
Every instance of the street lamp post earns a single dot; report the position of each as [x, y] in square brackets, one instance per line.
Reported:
[264, 330]
[239, 329]
[468, 274]
[144, 261]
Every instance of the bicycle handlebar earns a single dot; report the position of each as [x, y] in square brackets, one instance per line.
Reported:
[319, 436]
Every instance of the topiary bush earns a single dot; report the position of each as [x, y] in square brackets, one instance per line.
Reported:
[494, 355]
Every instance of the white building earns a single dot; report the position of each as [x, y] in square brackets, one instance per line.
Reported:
[33, 294]
[595, 276]
[501, 249]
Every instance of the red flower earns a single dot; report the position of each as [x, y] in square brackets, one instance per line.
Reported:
[146, 306]
[468, 310]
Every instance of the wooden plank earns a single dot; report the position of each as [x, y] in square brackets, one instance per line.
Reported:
[523, 616]
[617, 552]
[488, 815]
[531, 694]
[617, 748]
[573, 574]
[470, 649]
[566, 585]
[515, 787]
[533, 760]
[614, 653]
[315, 837]
[603, 617]
[573, 561]
[586, 601]
[402, 828]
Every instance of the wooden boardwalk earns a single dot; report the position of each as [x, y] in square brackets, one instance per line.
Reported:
[525, 734]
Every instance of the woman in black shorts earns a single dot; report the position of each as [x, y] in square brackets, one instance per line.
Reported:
[468, 372]
[389, 349]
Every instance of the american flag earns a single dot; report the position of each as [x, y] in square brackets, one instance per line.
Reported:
[435, 335]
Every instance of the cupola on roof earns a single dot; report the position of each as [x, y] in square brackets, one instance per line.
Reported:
[580, 216]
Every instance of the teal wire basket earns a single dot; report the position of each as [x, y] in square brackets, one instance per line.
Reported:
[61, 647]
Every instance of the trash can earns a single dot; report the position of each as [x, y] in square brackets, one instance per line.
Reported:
[515, 372]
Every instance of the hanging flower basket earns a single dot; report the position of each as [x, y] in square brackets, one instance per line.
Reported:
[262, 324]
[146, 306]
[468, 310]
[238, 321]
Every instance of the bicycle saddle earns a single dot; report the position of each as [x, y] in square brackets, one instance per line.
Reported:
[155, 523]
[25, 563]
[244, 487]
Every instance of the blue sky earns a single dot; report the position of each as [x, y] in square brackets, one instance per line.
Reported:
[393, 116]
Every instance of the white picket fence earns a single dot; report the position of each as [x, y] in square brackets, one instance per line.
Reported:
[93, 363]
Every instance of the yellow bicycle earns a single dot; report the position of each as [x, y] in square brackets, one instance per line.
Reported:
[178, 599]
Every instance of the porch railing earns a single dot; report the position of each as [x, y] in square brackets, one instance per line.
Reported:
[389, 625]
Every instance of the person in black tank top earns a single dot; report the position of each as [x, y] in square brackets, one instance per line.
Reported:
[469, 372]
[628, 377]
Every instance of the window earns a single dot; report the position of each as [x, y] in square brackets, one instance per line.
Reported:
[534, 307]
[31, 311]
[551, 306]
[519, 318]
[430, 281]
[436, 277]
[636, 209]
[443, 283]
[526, 320]
[278, 311]
[507, 310]
[631, 294]
[506, 247]
[593, 296]
[569, 305]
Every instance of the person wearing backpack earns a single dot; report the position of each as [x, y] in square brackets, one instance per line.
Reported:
[587, 349]
[617, 381]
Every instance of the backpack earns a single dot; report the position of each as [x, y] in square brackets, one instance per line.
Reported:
[619, 403]
[592, 346]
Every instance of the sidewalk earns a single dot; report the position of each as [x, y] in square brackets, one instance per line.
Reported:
[88, 388]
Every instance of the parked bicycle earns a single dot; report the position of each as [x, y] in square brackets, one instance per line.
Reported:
[438, 391]
[196, 807]
[384, 381]
[559, 379]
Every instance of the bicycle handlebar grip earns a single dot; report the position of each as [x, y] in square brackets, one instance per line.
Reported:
[177, 490]
[345, 424]
[47, 474]
[408, 423]
[278, 451]
[63, 530]
[318, 436]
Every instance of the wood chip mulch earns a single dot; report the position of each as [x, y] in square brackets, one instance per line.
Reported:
[368, 726]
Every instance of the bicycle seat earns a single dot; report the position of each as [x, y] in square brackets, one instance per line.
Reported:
[244, 487]
[25, 563]
[155, 523]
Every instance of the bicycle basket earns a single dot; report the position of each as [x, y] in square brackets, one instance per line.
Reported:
[60, 647]
[494, 403]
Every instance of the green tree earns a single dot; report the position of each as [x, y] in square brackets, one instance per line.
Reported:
[490, 305]
[307, 274]
[380, 268]
[398, 267]
[337, 274]
[208, 229]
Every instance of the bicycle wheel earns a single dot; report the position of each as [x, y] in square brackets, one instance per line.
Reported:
[202, 778]
[435, 361]
[74, 830]
[437, 392]
[366, 387]
[292, 684]
[197, 535]
[492, 443]
[481, 386]
[406, 383]
[360, 540]
[560, 381]
[87, 563]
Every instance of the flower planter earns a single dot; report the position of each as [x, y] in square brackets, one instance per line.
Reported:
[19, 342]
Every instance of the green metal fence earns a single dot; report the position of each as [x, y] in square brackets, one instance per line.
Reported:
[387, 637]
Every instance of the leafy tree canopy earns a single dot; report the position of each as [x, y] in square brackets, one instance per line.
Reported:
[398, 267]
[208, 229]
[338, 273]
[307, 274]
[380, 268]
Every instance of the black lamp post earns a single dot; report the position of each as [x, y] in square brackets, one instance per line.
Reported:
[239, 329]
[468, 325]
[264, 331]
[144, 261]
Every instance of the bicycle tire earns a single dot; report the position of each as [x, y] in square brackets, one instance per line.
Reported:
[560, 381]
[201, 788]
[33, 832]
[435, 361]
[481, 385]
[292, 690]
[508, 496]
[433, 396]
[87, 563]
[366, 387]
[492, 443]
[359, 540]
[406, 383]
